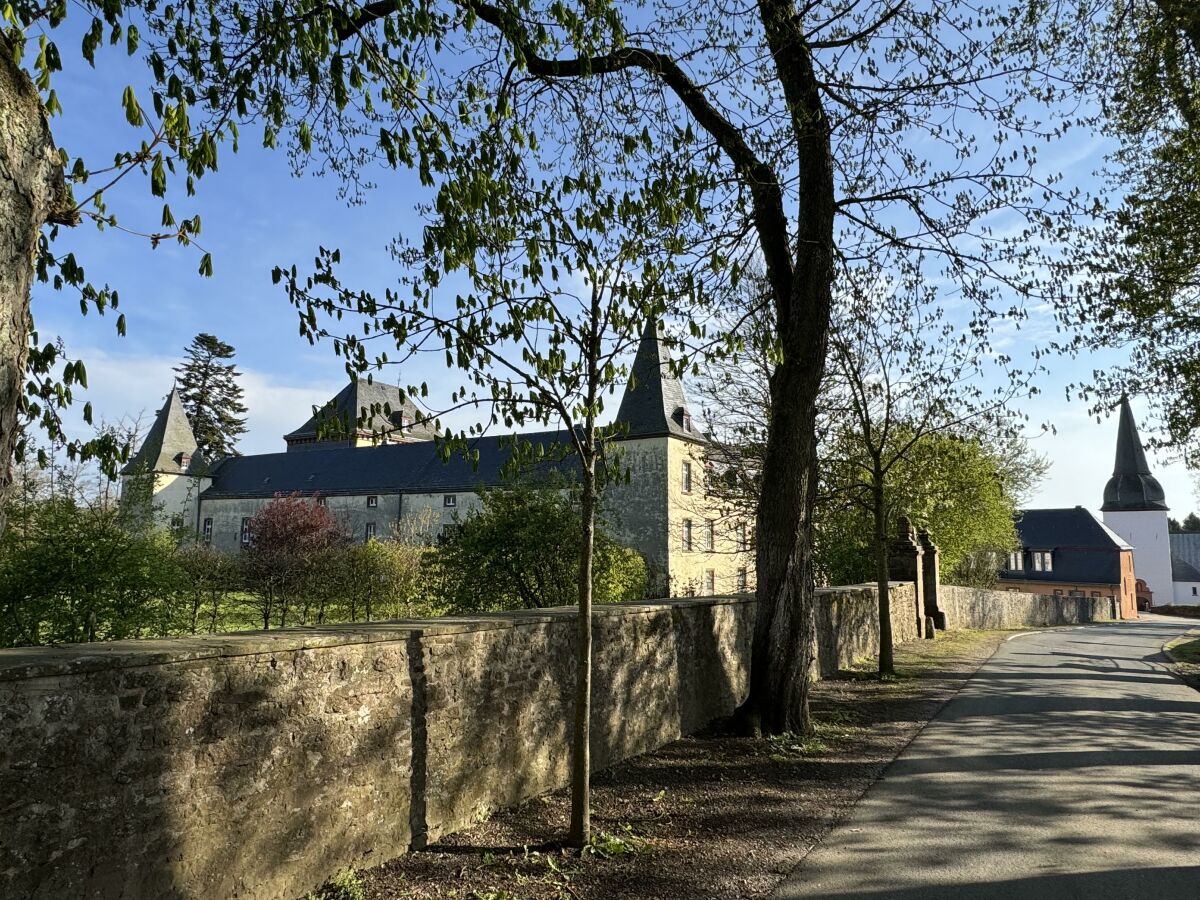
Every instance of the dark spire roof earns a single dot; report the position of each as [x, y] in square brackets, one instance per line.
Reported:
[366, 400]
[1131, 487]
[169, 446]
[654, 403]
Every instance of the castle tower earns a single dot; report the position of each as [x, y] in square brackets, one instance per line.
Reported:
[692, 544]
[1135, 507]
[168, 472]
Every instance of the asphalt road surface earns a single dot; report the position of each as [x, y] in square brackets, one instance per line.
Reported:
[1067, 767]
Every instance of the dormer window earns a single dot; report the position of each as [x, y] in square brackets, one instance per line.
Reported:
[687, 422]
[1042, 561]
[1016, 562]
[184, 460]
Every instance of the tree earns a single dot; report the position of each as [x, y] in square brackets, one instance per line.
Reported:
[1139, 61]
[965, 489]
[901, 374]
[287, 537]
[37, 376]
[71, 572]
[211, 395]
[521, 550]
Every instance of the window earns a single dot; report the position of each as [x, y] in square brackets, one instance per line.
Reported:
[320, 500]
[687, 534]
[743, 542]
[245, 530]
[1057, 593]
[710, 536]
[370, 530]
[177, 520]
[372, 502]
[208, 531]
[1015, 562]
[450, 501]
[447, 533]
[741, 580]
[1042, 561]
[687, 477]
[687, 421]
[1095, 593]
[1193, 591]
[710, 583]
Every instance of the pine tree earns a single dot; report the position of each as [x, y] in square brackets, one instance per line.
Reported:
[211, 395]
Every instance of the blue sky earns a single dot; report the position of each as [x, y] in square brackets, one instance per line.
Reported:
[256, 214]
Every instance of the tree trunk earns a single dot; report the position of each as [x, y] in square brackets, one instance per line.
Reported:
[882, 577]
[32, 194]
[581, 757]
[780, 672]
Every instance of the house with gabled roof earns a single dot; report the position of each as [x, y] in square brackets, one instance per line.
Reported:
[376, 462]
[1071, 553]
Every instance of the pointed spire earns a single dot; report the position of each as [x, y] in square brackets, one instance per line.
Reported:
[170, 445]
[654, 403]
[1131, 487]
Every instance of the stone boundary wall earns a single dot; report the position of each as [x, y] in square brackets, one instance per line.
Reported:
[848, 623]
[255, 765]
[979, 608]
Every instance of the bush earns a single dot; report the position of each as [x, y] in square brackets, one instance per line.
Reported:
[71, 573]
[521, 551]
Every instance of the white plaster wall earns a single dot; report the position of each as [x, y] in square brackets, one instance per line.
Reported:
[1146, 531]
[1184, 595]
[177, 495]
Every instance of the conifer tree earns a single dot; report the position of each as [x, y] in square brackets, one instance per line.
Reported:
[211, 395]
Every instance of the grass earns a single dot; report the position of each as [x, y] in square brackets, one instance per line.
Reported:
[1185, 649]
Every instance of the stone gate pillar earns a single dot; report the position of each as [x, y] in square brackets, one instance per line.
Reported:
[932, 580]
[905, 564]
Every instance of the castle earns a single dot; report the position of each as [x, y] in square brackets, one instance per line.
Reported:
[374, 461]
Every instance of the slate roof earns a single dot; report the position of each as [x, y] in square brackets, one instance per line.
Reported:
[654, 403]
[1085, 549]
[1185, 557]
[381, 406]
[168, 442]
[1131, 487]
[415, 467]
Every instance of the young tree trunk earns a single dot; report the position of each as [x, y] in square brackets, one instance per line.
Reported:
[882, 577]
[581, 757]
[32, 194]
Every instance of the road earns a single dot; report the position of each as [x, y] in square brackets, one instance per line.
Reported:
[1067, 767]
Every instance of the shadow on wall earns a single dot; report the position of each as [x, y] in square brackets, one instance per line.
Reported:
[261, 765]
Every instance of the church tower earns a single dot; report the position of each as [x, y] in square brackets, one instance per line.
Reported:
[168, 472]
[1135, 507]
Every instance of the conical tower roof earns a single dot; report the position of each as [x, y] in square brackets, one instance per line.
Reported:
[1131, 487]
[170, 446]
[654, 403]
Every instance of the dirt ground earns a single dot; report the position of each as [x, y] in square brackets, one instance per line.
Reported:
[712, 815]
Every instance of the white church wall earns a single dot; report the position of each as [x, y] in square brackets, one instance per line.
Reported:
[1187, 593]
[1146, 531]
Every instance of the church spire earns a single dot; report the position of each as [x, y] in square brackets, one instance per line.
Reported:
[1131, 487]
[654, 403]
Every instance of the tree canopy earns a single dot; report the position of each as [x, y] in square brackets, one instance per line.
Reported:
[212, 396]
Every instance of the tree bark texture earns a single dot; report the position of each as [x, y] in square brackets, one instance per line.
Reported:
[32, 193]
[581, 756]
[879, 515]
[802, 291]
